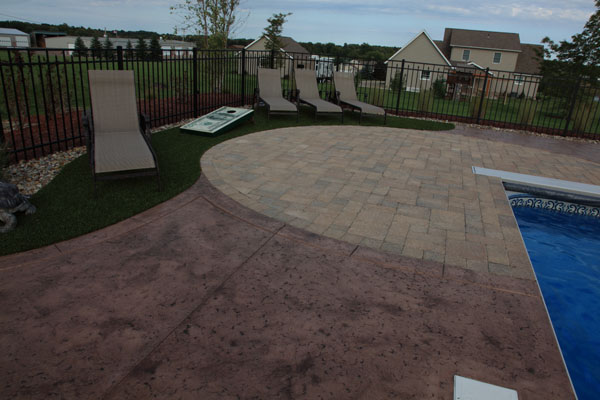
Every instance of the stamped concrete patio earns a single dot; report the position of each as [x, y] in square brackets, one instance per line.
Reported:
[203, 298]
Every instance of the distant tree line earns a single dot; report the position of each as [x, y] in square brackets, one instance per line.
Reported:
[29, 27]
[139, 51]
[348, 52]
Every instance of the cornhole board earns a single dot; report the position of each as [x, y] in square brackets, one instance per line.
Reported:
[218, 121]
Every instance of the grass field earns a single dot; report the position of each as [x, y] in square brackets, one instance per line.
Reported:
[67, 207]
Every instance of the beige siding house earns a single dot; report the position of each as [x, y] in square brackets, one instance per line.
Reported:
[418, 76]
[293, 54]
[461, 60]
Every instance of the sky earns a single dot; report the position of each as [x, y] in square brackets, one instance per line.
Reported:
[377, 22]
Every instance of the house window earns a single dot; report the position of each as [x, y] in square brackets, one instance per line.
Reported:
[518, 80]
[497, 58]
[466, 55]
[425, 75]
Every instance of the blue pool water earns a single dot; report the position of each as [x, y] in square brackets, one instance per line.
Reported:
[565, 253]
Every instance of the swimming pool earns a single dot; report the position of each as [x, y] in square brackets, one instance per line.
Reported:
[563, 242]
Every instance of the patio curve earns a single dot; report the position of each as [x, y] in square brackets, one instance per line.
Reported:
[402, 191]
[201, 297]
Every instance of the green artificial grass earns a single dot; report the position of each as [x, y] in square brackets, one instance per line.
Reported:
[67, 208]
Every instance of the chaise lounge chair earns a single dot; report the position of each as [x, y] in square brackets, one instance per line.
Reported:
[269, 91]
[346, 94]
[308, 93]
[118, 140]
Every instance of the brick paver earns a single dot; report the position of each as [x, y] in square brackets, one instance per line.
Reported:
[401, 191]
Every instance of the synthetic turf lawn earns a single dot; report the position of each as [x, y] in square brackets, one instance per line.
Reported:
[67, 208]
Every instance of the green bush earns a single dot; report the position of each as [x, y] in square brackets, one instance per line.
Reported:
[526, 112]
[439, 88]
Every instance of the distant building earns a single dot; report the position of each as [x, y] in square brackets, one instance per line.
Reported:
[13, 38]
[38, 38]
[467, 53]
[170, 48]
[292, 52]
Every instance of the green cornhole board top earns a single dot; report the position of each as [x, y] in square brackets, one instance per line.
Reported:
[218, 121]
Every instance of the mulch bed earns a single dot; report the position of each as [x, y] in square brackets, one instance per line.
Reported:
[63, 131]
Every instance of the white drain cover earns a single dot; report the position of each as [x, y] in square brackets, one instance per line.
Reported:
[469, 389]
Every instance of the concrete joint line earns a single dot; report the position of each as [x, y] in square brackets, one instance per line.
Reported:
[195, 309]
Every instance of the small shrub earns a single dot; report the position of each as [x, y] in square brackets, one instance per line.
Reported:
[439, 88]
[526, 112]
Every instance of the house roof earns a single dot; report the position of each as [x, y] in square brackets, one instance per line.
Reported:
[288, 45]
[482, 39]
[291, 46]
[530, 58]
[10, 31]
[423, 32]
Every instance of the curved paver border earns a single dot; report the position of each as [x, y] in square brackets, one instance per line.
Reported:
[402, 191]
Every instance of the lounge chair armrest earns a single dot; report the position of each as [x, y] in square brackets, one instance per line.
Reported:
[145, 124]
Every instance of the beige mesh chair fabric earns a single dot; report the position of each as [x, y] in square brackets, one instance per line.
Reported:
[269, 91]
[344, 85]
[118, 142]
[306, 83]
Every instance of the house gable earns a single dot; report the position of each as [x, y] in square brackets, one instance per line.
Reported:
[420, 49]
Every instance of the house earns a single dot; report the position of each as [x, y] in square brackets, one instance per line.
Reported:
[461, 59]
[38, 38]
[13, 38]
[170, 48]
[292, 52]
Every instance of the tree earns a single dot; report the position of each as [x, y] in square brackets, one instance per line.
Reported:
[129, 50]
[95, 46]
[141, 50]
[214, 19]
[80, 49]
[155, 50]
[273, 31]
[581, 55]
[108, 48]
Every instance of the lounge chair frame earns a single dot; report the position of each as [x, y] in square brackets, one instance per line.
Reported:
[314, 107]
[258, 99]
[353, 107]
[144, 131]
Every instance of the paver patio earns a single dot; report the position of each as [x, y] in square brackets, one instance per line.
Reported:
[402, 191]
[202, 298]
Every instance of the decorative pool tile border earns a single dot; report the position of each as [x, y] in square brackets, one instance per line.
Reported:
[526, 200]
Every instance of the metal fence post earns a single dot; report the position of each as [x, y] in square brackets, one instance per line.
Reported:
[487, 73]
[572, 107]
[399, 87]
[272, 58]
[243, 102]
[120, 57]
[195, 80]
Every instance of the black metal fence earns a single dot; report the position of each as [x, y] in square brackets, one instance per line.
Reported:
[44, 92]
